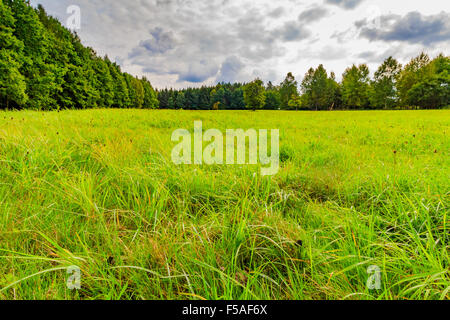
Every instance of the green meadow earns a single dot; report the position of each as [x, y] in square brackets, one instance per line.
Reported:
[97, 189]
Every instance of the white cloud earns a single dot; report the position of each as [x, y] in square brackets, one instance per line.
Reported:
[190, 43]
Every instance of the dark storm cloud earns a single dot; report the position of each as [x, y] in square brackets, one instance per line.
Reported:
[346, 4]
[412, 28]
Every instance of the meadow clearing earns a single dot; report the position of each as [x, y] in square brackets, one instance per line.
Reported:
[97, 189]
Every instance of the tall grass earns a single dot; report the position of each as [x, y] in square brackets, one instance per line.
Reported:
[97, 189]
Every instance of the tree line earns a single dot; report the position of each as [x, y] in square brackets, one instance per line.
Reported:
[422, 83]
[44, 66]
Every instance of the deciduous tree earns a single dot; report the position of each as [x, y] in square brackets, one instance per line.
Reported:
[355, 87]
[254, 95]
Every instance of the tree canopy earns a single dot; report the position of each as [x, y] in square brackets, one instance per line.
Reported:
[254, 95]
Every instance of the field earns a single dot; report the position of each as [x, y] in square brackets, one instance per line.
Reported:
[97, 189]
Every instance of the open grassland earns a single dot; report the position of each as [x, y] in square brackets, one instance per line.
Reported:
[97, 189]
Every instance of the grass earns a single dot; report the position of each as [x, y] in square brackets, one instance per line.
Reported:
[97, 189]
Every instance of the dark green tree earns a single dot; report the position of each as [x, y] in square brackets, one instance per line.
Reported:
[433, 88]
[150, 96]
[273, 99]
[12, 82]
[417, 69]
[180, 100]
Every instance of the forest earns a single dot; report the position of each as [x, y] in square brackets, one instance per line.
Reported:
[44, 66]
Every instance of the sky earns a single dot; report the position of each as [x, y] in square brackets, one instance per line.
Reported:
[190, 43]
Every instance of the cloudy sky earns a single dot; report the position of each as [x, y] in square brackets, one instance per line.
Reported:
[181, 43]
